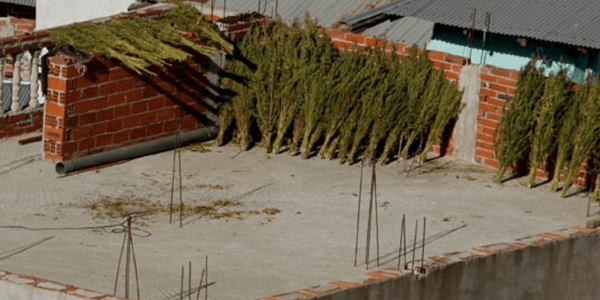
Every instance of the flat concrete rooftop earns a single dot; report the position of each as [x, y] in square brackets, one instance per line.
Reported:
[309, 242]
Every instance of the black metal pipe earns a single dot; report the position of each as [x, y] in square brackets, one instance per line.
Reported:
[135, 151]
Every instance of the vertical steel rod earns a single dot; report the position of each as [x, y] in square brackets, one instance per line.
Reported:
[401, 237]
[376, 209]
[405, 245]
[423, 245]
[369, 227]
[206, 283]
[414, 246]
[590, 203]
[172, 187]
[180, 183]
[137, 279]
[362, 163]
[181, 292]
[127, 259]
[190, 281]
[200, 285]
[119, 265]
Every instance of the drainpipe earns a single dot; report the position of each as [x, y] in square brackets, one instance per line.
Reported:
[136, 151]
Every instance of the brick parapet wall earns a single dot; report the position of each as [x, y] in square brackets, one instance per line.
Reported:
[112, 107]
[14, 124]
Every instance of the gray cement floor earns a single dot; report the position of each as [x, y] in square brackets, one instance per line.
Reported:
[311, 241]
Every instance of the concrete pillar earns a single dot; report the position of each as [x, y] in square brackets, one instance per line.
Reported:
[465, 131]
[16, 105]
[34, 102]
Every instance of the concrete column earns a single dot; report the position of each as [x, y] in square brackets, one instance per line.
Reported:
[465, 131]
[16, 105]
[34, 102]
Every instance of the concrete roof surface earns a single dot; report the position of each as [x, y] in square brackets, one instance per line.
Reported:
[571, 22]
[309, 242]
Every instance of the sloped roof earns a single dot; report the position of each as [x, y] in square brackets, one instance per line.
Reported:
[406, 30]
[327, 12]
[571, 22]
[20, 2]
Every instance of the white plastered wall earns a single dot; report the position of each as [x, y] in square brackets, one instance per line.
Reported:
[52, 13]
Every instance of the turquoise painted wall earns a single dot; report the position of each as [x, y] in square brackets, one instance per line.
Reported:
[505, 52]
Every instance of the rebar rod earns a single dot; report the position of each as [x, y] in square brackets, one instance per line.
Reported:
[200, 285]
[405, 245]
[401, 237]
[376, 209]
[137, 279]
[180, 183]
[181, 292]
[172, 187]
[414, 246]
[369, 227]
[119, 265]
[190, 281]
[206, 282]
[358, 213]
[127, 259]
[423, 245]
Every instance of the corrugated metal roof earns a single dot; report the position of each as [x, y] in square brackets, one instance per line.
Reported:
[406, 30]
[566, 21]
[20, 2]
[326, 12]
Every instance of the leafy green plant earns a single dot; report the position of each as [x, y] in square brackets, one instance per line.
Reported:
[587, 135]
[513, 139]
[565, 138]
[138, 42]
[306, 94]
[549, 113]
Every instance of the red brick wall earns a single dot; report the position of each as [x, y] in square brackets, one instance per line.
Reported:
[17, 124]
[497, 86]
[112, 107]
[452, 65]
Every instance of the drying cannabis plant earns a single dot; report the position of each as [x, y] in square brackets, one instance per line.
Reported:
[566, 133]
[587, 135]
[550, 111]
[304, 95]
[138, 42]
[517, 123]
